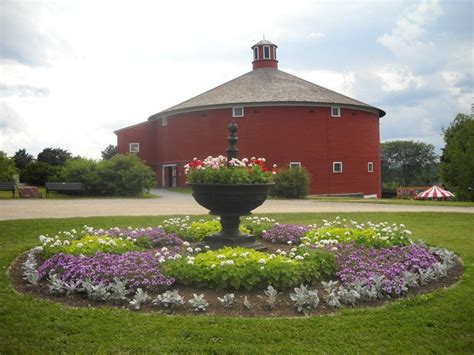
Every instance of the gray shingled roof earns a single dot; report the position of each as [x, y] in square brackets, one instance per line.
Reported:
[264, 42]
[265, 86]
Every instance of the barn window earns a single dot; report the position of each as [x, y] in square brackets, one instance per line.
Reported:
[337, 167]
[335, 112]
[266, 52]
[238, 111]
[134, 147]
[255, 53]
[164, 121]
[370, 167]
[295, 165]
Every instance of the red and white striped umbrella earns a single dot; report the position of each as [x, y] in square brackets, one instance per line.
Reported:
[434, 193]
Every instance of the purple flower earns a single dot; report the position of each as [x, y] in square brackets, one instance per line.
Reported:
[138, 269]
[283, 233]
[360, 263]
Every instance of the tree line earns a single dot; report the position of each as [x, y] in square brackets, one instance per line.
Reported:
[411, 163]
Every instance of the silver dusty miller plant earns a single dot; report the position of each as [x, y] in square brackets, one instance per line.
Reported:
[29, 267]
[139, 298]
[169, 299]
[56, 285]
[198, 303]
[228, 300]
[96, 293]
[348, 296]
[272, 296]
[118, 290]
[304, 299]
[331, 298]
[247, 304]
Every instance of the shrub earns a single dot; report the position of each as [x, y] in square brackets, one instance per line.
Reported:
[246, 268]
[124, 175]
[7, 168]
[82, 170]
[291, 183]
[37, 173]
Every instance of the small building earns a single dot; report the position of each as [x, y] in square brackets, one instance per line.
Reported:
[289, 121]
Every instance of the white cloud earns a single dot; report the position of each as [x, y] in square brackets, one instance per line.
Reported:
[407, 38]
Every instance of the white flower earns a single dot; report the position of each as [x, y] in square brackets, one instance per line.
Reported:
[164, 249]
[197, 250]
[299, 257]
[186, 244]
[189, 250]
[79, 245]
[206, 247]
[262, 261]
[161, 260]
[190, 262]
[220, 256]
[289, 242]
[262, 267]
[213, 266]
[229, 262]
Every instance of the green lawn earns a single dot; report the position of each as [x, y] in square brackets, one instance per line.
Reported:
[394, 201]
[441, 322]
[7, 195]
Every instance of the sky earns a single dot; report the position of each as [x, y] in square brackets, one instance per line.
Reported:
[72, 72]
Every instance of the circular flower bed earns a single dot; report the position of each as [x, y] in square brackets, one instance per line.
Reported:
[307, 269]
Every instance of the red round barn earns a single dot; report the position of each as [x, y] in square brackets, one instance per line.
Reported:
[289, 121]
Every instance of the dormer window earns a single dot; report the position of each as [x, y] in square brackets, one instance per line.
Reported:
[266, 52]
[238, 111]
[255, 53]
[335, 112]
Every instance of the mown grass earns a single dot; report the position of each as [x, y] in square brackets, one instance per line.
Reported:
[7, 195]
[441, 322]
[394, 201]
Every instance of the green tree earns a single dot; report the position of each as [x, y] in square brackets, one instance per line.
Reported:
[7, 168]
[38, 172]
[408, 163]
[54, 156]
[22, 159]
[109, 152]
[82, 170]
[457, 159]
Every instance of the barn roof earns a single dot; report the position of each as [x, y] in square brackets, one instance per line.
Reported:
[265, 86]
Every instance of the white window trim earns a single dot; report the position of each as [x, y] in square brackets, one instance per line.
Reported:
[269, 52]
[274, 53]
[370, 167]
[134, 150]
[255, 50]
[164, 121]
[234, 113]
[334, 163]
[295, 165]
[338, 111]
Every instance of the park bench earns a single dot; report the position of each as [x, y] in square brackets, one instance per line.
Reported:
[63, 186]
[8, 186]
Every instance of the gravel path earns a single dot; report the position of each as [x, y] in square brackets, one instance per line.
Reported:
[178, 203]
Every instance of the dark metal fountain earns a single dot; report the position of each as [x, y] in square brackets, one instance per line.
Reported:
[230, 201]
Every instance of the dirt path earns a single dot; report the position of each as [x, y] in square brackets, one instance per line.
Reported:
[177, 203]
